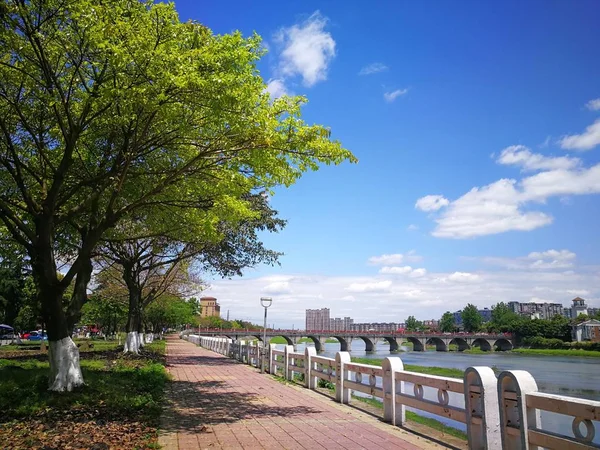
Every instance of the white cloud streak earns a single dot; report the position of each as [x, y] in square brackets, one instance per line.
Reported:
[431, 203]
[373, 69]
[393, 95]
[519, 155]
[587, 140]
[593, 105]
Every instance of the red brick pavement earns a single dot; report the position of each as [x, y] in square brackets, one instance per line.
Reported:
[217, 403]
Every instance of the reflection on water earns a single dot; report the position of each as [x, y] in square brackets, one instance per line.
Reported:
[564, 375]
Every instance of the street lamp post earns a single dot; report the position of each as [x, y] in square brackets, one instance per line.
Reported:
[265, 302]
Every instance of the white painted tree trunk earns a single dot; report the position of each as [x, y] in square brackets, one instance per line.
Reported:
[149, 338]
[132, 343]
[141, 339]
[65, 371]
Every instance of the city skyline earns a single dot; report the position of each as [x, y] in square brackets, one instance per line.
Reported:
[477, 131]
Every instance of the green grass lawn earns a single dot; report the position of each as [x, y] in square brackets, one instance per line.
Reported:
[120, 400]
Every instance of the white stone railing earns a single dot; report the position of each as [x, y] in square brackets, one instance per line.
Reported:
[499, 413]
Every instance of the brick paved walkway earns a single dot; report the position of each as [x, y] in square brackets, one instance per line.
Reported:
[218, 403]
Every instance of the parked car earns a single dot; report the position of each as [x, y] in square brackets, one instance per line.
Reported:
[37, 336]
[25, 335]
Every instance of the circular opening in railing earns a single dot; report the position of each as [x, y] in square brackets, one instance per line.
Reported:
[583, 429]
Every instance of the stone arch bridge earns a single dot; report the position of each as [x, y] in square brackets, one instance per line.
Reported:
[420, 341]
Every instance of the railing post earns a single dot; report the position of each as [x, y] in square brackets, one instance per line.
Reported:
[481, 402]
[272, 366]
[248, 353]
[513, 387]
[309, 380]
[393, 412]
[342, 394]
[287, 373]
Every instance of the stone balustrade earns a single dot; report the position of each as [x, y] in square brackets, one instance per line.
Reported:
[499, 412]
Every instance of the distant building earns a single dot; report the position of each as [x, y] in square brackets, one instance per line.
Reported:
[537, 310]
[209, 307]
[317, 319]
[432, 323]
[339, 324]
[586, 331]
[578, 307]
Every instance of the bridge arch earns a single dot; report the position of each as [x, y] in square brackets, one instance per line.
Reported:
[460, 343]
[483, 344]
[417, 344]
[318, 344]
[345, 343]
[369, 345]
[394, 345]
[288, 340]
[440, 346]
[503, 345]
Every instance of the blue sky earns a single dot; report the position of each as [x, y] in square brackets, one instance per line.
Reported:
[479, 168]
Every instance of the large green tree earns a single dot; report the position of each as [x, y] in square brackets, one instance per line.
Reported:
[447, 324]
[471, 318]
[412, 324]
[109, 109]
[503, 319]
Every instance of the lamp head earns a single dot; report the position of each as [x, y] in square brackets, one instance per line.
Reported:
[266, 301]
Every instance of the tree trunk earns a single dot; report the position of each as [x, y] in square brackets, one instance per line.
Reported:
[134, 317]
[79, 296]
[65, 371]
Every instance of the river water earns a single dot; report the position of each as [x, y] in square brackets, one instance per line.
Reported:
[565, 375]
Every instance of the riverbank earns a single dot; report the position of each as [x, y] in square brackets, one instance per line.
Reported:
[556, 352]
[439, 371]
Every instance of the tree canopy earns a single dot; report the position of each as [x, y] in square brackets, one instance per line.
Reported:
[113, 110]
[447, 324]
[471, 318]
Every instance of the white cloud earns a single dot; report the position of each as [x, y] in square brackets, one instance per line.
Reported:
[307, 50]
[373, 68]
[593, 105]
[520, 155]
[278, 288]
[393, 95]
[412, 227]
[491, 209]
[417, 273]
[386, 260]
[276, 87]
[431, 202]
[547, 260]
[587, 140]
[554, 183]
[375, 286]
[464, 277]
[505, 205]
[552, 259]
[404, 270]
